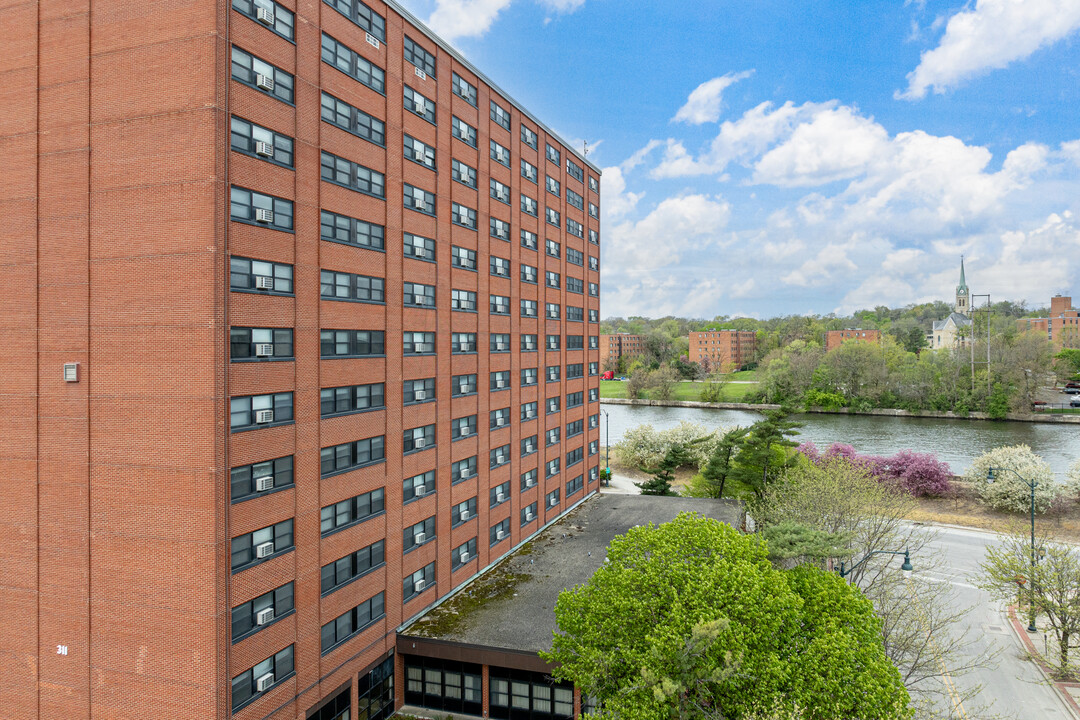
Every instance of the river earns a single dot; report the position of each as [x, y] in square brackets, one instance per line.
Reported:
[956, 442]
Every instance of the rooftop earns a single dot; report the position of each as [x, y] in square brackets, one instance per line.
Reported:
[512, 605]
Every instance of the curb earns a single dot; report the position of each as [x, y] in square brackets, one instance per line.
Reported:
[1060, 686]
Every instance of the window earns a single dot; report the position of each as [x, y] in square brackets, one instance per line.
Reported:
[594, 447]
[461, 385]
[249, 412]
[464, 300]
[254, 208]
[499, 456]
[463, 554]
[574, 314]
[375, 692]
[443, 685]
[499, 494]
[528, 274]
[419, 199]
[575, 428]
[499, 115]
[420, 533]
[528, 308]
[552, 216]
[594, 394]
[257, 141]
[352, 566]
[594, 342]
[594, 369]
[528, 514]
[500, 267]
[500, 531]
[528, 411]
[552, 279]
[594, 474]
[464, 216]
[463, 469]
[250, 617]
[575, 228]
[419, 57]
[552, 248]
[418, 391]
[463, 512]
[528, 343]
[500, 154]
[499, 305]
[552, 498]
[499, 418]
[353, 120]
[500, 380]
[268, 13]
[260, 276]
[528, 170]
[247, 550]
[462, 427]
[351, 399]
[553, 373]
[529, 376]
[261, 343]
[575, 342]
[594, 184]
[351, 511]
[552, 185]
[351, 343]
[363, 16]
[463, 173]
[528, 445]
[348, 61]
[419, 152]
[552, 405]
[552, 154]
[553, 437]
[351, 455]
[594, 421]
[594, 237]
[528, 136]
[528, 239]
[574, 199]
[261, 75]
[350, 231]
[419, 438]
[418, 343]
[529, 206]
[346, 286]
[275, 669]
[419, 248]
[552, 311]
[500, 229]
[463, 89]
[575, 257]
[594, 264]
[553, 342]
[499, 191]
[528, 479]
[575, 371]
[594, 289]
[248, 481]
[574, 486]
[574, 170]
[356, 177]
[417, 295]
[463, 343]
[352, 622]
[594, 211]
[574, 457]
[418, 104]
[594, 316]
[575, 285]
[463, 257]
[463, 131]
[553, 467]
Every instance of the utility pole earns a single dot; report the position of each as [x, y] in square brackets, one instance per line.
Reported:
[985, 310]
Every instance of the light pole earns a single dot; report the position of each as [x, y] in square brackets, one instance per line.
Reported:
[607, 440]
[1031, 484]
[906, 567]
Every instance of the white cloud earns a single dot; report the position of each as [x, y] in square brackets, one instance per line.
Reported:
[617, 202]
[822, 268]
[705, 101]
[454, 19]
[659, 239]
[992, 35]
[743, 289]
[1071, 150]
[562, 6]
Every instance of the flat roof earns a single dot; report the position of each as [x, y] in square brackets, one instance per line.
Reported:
[512, 605]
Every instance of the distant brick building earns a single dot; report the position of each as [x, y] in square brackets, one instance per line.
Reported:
[1062, 328]
[621, 345]
[723, 350]
[835, 338]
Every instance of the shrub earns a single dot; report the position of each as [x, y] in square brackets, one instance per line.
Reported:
[919, 474]
[1009, 492]
[644, 447]
[824, 400]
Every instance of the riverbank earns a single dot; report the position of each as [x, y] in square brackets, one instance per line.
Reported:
[881, 412]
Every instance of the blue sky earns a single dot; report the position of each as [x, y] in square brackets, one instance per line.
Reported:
[765, 158]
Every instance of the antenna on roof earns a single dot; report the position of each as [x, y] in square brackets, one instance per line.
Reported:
[585, 148]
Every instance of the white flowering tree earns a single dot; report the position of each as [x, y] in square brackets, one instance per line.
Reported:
[644, 447]
[1013, 465]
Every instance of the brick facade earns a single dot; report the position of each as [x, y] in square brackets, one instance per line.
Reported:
[722, 350]
[1062, 327]
[836, 338]
[621, 345]
[115, 254]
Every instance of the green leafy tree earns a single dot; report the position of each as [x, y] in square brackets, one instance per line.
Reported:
[718, 468]
[763, 453]
[691, 620]
[792, 543]
[1070, 360]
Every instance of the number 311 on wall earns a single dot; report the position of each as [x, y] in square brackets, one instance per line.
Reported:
[61, 649]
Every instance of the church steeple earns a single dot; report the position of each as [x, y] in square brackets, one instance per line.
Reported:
[963, 305]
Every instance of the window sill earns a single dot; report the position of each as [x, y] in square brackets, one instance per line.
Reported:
[351, 412]
[257, 628]
[350, 357]
[268, 226]
[352, 300]
[262, 359]
[264, 493]
[342, 471]
[351, 580]
[350, 524]
[261, 426]
[260, 561]
[256, 696]
[351, 635]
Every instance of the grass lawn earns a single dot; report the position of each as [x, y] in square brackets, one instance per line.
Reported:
[683, 390]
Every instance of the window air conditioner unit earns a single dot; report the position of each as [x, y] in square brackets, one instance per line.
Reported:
[464, 389]
[419, 395]
[264, 350]
[264, 682]
[418, 154]
[264, 549]
[464, 474]
[420, 74]
[465, 515]
[262, 215]
[528, 515]
[371, 39]
[500, 497]
[264, 616]
[463, 347]
[553, 501]
[418, 299]
[419, 538]
[500, 383]
[420, 490]
[264, 149]
[530, 482]
[529, 447]
[419, 442]
[499, 457]
[264, 82]
[264, 483]
[500, 346]
[418, 347]
[463, 427]
[500, 534]
[264, 416]
[419, 585]
[500, 421]
[265, 16]
[464, 556]
[528, 414]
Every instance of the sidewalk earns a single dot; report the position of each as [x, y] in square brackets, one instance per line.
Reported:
[620, 485]
[1068, 691]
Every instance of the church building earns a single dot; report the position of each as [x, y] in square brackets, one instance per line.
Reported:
[955, 330]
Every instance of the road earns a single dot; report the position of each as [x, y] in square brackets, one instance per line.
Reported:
[1015, 688]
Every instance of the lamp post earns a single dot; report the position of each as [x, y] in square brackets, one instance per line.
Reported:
[906, 567]
[607, 440]
[1031, 484]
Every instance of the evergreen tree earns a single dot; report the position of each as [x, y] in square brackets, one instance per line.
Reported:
[763, 452]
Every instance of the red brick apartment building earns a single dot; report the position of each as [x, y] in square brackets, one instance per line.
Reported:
[1062, 328]
[836, 338]
[251, 340]
[722, 350]
[621, 345]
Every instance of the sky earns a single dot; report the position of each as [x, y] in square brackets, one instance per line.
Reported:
[767, 157]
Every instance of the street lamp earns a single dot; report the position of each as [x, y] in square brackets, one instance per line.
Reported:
[1031, 484]
[906, 567]
[607, 440]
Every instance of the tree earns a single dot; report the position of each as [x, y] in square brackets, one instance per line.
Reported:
[716, 471]
[1051, 586]
[661, 383]
[1070, 360]
[1012, 466]
[690, 620]
[637, 382]
[660, 483]
[763, 452]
